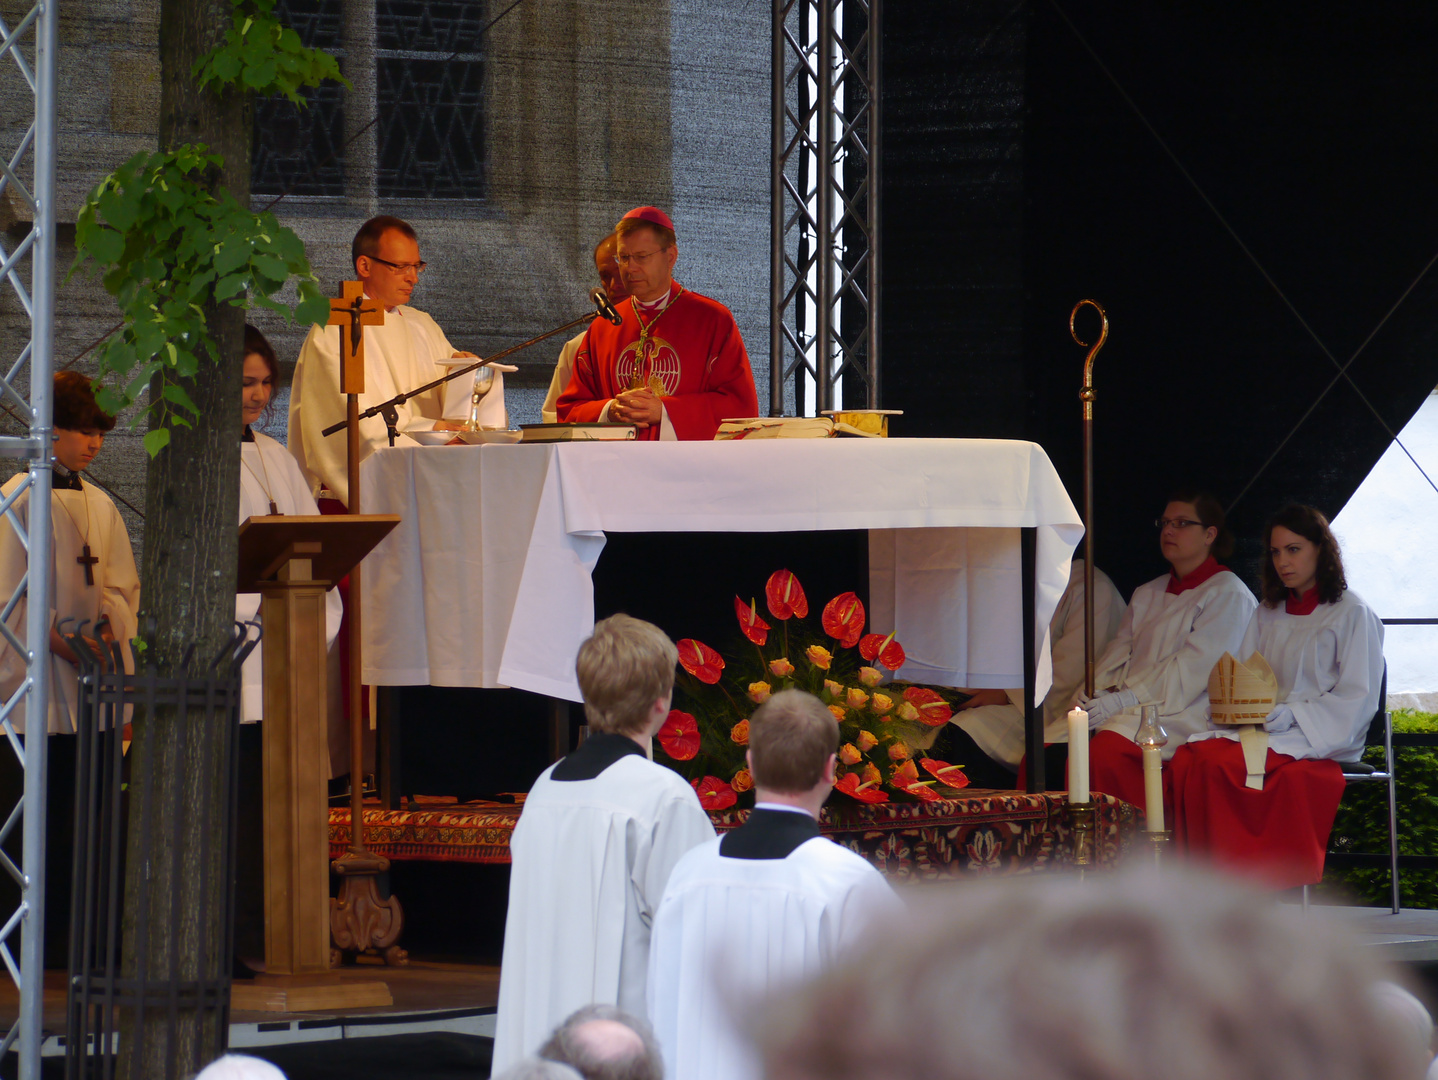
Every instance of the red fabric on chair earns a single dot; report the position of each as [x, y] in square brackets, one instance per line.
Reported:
[1278, 835]
[1115, 767]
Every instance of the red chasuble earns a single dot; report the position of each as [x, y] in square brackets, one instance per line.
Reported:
[1277, 835]
[694, 351]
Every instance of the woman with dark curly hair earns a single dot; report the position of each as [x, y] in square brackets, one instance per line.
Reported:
[1175, 629]
[1325, 646]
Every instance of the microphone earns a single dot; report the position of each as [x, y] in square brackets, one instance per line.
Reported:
[604, 307]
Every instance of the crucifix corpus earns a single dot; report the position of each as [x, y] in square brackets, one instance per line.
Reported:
[360, 921]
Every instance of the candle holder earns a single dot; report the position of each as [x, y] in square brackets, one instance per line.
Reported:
[1158, 842]
[1083, 818]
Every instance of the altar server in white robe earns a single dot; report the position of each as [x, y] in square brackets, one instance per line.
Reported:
[769, 905]
[1176, 628]
[993, 720]
[93, 577]
[402, 354]
[270, 483]
[611, 279]
[594, 846]
[1325, 646]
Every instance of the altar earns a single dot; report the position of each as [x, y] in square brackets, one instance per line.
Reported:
[487, 580]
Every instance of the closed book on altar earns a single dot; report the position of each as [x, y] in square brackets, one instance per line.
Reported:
[787, 427]
[535, 433]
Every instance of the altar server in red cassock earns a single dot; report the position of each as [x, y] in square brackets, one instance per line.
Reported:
[1325, 646]
[1176, 628]
[768, 906]
[675, 366]
[600, 832]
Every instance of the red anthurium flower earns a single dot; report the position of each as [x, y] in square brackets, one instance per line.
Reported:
[905, 774]
[921, 791]
[885, 650]
[844, 619]
[755, 628]
[700, 661]
[867, 792]
[679, 736]
[714, 794]
[786, 598]
[949, 775]
[933, 710]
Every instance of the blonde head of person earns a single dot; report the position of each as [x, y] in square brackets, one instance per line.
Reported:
[626, 674]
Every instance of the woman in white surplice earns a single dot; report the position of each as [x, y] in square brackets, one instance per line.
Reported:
[1176, 628]
[94, 587]
[270, 483]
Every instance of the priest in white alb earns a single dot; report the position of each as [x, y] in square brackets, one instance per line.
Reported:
[402, 354]
[593, 848]
[767, 905]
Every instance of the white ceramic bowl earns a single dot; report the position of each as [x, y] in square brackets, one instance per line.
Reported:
[501, 436]
[431, 437]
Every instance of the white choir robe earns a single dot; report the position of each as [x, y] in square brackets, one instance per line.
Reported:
[589, 862]
[116, 591]
[731, 932]
[563, 371]
[262, 462]
[399, 355]
[999, 729]
[1329, 666]
[1166, 647]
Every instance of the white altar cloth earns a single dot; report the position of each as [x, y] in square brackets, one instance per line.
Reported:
[486, 580]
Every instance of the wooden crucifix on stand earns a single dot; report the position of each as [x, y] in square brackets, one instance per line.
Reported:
[360, 919]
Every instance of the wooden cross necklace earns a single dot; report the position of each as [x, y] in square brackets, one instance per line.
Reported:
[265, 483]
[85, 559]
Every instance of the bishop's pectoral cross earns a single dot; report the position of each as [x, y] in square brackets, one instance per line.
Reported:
[88, 561]
[355, 310]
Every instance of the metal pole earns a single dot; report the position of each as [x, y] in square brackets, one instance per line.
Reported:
[1086, 395]
[37, 613]
[1033, 719]
[824, 211]
[776, 212]
[876, 127]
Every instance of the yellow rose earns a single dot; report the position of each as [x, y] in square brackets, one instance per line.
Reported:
[871, 774]
[881, 703]
[870, 676]
[743, 780]
[856, 698]
[758, 692]
[867, 741]
[835, 689]
[839, 712]
[819, 656]
[739, 733]
[849, 754]
[781, 668]
[906, 711]
[899, 752]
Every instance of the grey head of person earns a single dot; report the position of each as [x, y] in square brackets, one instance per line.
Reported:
[240, 1067]
[386, 258]
[1138, 975]
[603, 1042]
[538, 1069]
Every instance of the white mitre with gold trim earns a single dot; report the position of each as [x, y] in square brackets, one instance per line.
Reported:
[1242, 695]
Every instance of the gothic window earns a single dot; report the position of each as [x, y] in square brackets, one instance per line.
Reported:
[301, 150]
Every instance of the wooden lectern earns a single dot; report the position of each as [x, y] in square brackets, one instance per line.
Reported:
[292, 561]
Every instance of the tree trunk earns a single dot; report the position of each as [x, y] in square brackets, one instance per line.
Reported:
[188, 599]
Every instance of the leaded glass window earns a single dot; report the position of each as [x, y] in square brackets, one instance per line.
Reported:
[301, 150]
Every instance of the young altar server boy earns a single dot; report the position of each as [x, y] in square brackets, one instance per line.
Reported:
[770, 904]
[592, 851]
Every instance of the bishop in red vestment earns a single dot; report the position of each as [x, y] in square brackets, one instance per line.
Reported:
[676, 366]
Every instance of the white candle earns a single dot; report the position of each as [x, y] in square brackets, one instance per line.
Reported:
[1153, 787]
[1078, 756]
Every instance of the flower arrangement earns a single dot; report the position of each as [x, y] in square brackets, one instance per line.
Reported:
[881, 724]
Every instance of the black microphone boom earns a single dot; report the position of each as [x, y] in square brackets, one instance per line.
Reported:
[602, 307]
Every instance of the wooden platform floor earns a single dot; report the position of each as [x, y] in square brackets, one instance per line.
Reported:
[423, 986]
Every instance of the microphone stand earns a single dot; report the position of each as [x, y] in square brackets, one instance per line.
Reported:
[389, 409]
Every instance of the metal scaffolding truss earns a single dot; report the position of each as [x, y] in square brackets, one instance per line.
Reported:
[25, 388]
[824, 205]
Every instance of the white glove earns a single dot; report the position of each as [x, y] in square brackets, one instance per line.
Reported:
[1103, 706]
[1280, 719]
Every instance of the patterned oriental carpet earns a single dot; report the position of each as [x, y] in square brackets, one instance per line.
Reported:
[987, 832]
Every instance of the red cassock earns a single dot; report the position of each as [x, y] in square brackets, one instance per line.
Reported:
[694, 350]
[1278, 835]
[1115, 767]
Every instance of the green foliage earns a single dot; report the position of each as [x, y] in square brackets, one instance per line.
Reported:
[262, 55]
[1361, 825]
[164, 244]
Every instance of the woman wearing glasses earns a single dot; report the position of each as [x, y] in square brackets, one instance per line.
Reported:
[1176, 628]
[1325, 646]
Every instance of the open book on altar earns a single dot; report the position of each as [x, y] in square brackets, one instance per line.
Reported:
[576, 432]
[788, 427]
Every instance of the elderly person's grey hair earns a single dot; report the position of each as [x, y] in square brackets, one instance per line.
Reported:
[1131, 976]
[606, 1043]
[533, 1068]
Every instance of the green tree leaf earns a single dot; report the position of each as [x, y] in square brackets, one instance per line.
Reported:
[155, 440]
